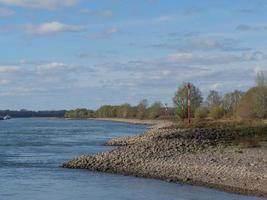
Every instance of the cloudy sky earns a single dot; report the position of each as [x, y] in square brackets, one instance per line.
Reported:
[62, 54]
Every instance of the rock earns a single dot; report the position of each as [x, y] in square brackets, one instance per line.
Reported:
[197, 155]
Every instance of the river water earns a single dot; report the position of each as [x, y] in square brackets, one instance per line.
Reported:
[32, 150]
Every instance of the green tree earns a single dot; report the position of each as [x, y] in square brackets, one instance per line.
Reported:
[80, 113]
[155, 110]
[107, 111]
[181, 94]
[142, 109]
[124, 111]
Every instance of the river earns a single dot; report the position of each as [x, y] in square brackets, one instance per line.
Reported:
[32, 150]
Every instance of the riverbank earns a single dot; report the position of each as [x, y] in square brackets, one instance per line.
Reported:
[149, 122]
[130, 121]
[200, 156]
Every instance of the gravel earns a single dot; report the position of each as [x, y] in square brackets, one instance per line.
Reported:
[200, 156]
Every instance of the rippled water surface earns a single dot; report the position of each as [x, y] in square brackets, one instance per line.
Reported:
[31, 151]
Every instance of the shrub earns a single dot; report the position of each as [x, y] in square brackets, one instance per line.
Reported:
[254, 103]
[201, 113]
[216, 112]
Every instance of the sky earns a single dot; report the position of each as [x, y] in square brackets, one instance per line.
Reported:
[65, 54]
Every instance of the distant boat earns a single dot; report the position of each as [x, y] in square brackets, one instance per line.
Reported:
[7, 117]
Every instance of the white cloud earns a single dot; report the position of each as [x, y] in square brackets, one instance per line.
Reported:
[3, 81]
[186, 61]
[260, 69]
[53, 67]
[111, 30]
[9, 69]
[212, 59]
[166, 72]
[50, 28]
[216, 86]
[105, 34]
[99, 13]
[4, 12]
[203, 44]
[43, 4]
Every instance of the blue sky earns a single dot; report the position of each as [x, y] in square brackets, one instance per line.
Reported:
[63, 54]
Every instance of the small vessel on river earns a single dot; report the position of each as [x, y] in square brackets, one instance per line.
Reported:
[7, 117]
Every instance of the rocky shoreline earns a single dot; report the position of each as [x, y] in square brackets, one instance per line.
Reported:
[200, 156]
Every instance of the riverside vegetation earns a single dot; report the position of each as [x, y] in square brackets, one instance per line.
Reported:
[225, 147]
[237, 104]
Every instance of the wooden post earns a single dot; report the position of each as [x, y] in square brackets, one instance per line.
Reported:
[183, 110]
[189, 102]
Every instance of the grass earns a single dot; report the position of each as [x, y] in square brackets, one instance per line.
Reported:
[245, 134]
[250, 143]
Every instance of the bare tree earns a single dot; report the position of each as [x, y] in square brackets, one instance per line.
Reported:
[214, 99]
[231, 101]
[261, 78]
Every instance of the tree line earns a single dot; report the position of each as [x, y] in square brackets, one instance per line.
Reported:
[142, 111]
[250, 104]
[27, 113]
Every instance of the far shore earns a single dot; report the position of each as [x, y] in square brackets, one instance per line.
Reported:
[130, 121]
